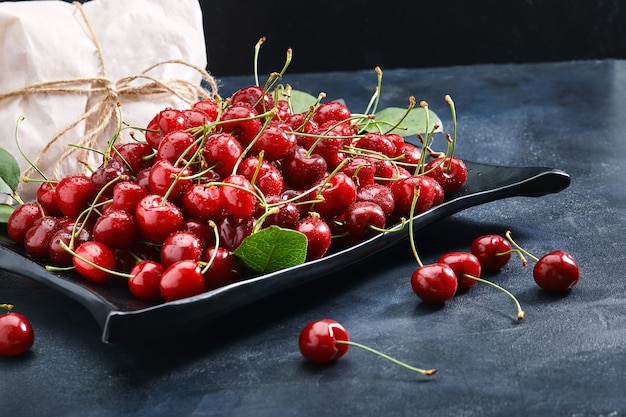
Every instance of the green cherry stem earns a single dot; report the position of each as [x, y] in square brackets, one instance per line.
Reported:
[408, 111]
[416, 194]
[426, 372]
[519, 249]
[520, 312]
[8, 307]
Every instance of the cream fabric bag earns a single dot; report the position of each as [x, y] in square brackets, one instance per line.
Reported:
[64, 68]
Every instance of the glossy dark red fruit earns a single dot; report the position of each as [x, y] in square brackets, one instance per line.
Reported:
[117, 229]
[451, 173]
[74, 194]
[181, 280]
[318, 341]
[179, 246]
[434, 283]
[145, 280]
[222, 151]
[166, 121]
[556, 271]
[318, 236]
[22, 219]
[16, 334]
[93, 253]
[463, 264]
[362, 216]
[493, 251]
[224, 268]
[157, 218]
[238, 196]
[46, 197]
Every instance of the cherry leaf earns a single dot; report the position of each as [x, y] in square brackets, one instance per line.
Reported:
[272, 249]
[301, 101]
[5, 212]
[9, 172]
[408, 124]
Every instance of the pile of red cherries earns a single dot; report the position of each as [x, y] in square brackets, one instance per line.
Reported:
[166, 212]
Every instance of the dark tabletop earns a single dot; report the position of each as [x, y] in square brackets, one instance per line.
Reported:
[566, 358]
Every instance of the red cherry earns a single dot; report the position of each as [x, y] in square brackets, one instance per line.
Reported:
[276, 142]
[235, 199]
[493, 251]
[126, 196]
[222, 151]
[318, 341]
[157, 218]
[224, 268]
[318, 236]
[301, 171]
[332, 111]
[379, 194]
[16, 334]
[145, 280]
[556, 271]
[95, 253]
[196, 117]
[265, 174]
[451, 173]
[463, 264]
[202, 201]
[117, 229]
[255, 97]
[74, 194]
[240, 120]
[209, 107]
[135, 155]
[338, 193]
[179, 246]
[361, 216]
[233, 231]
[434, 283]
[109, 173]
[58, 255]
[404, 190]
[166, 121]
[175, 145]
[38, 238]
[22, 219]
[361, 171]
[46, 197]
[378, 142]
[164, 175]
[181, 280]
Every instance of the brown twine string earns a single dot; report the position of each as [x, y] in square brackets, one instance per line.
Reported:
[105, 111]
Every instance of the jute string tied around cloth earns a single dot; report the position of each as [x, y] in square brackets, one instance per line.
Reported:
[104, 97]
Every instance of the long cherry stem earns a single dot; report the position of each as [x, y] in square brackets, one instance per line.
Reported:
[520, 312]
[426, 372]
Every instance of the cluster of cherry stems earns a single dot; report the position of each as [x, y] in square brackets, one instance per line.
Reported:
[166, 213]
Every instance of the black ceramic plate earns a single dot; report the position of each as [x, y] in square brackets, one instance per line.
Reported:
[126, 320]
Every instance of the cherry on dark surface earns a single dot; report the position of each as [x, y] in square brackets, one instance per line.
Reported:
[22, 219]
[232, 230]
[338, 192]
[287, 216]
[181, 280]
[378, 142]
[462, 263]
[201, 229]
[165, 178]
[16, 333]
[404, 190]
[93, 261]
[379, 194]
[68, 234]
[493, 251]
[361, 170]
[556, 272]
[202, 201]
[324, 341]
[276, 142]
[434, 283]
[107, 174]
[331, 112]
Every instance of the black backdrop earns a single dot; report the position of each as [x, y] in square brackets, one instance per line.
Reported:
[329, 35]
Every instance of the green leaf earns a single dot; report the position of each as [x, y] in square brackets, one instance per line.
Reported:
[9, 172]
[412, 124]
[5, 212]
[301, 101]
[272, 249]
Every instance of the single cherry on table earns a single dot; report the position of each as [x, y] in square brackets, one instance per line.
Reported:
[16, 332]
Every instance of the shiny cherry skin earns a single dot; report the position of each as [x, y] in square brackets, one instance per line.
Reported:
[276, 142]
[98, 254]
[223, 271]
[235, 199]
[166, 121]
[265, 174]
[22, 219]
[378, 142]
[181, 280]
[74, 194]
[222, 151]
[202, 202]
[58, 255]
[126, 196]
[145, 280]
[46, 197]
[463, 264]
[255, 97]
[157, 218]
[209, 107]
[451, 173]
[556, 272]
[239, 119]
[16, 334]
[361, 170]
[301, 171]
[38, 238]
[180, 245]
[117, 229]
[379, 194]
[493, 251]
[361, 215]
[136, 156]
[331, 112]
[318, 235]
[165, 175]
[109, 173]
[338, 193]
[233, 231]
[434, 283]
[318, 341]
[404, 190]
[176, 145]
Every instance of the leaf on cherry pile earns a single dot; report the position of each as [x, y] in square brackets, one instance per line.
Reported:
[412, 124]
[272, 249]
[301, 101]
[9, 173]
